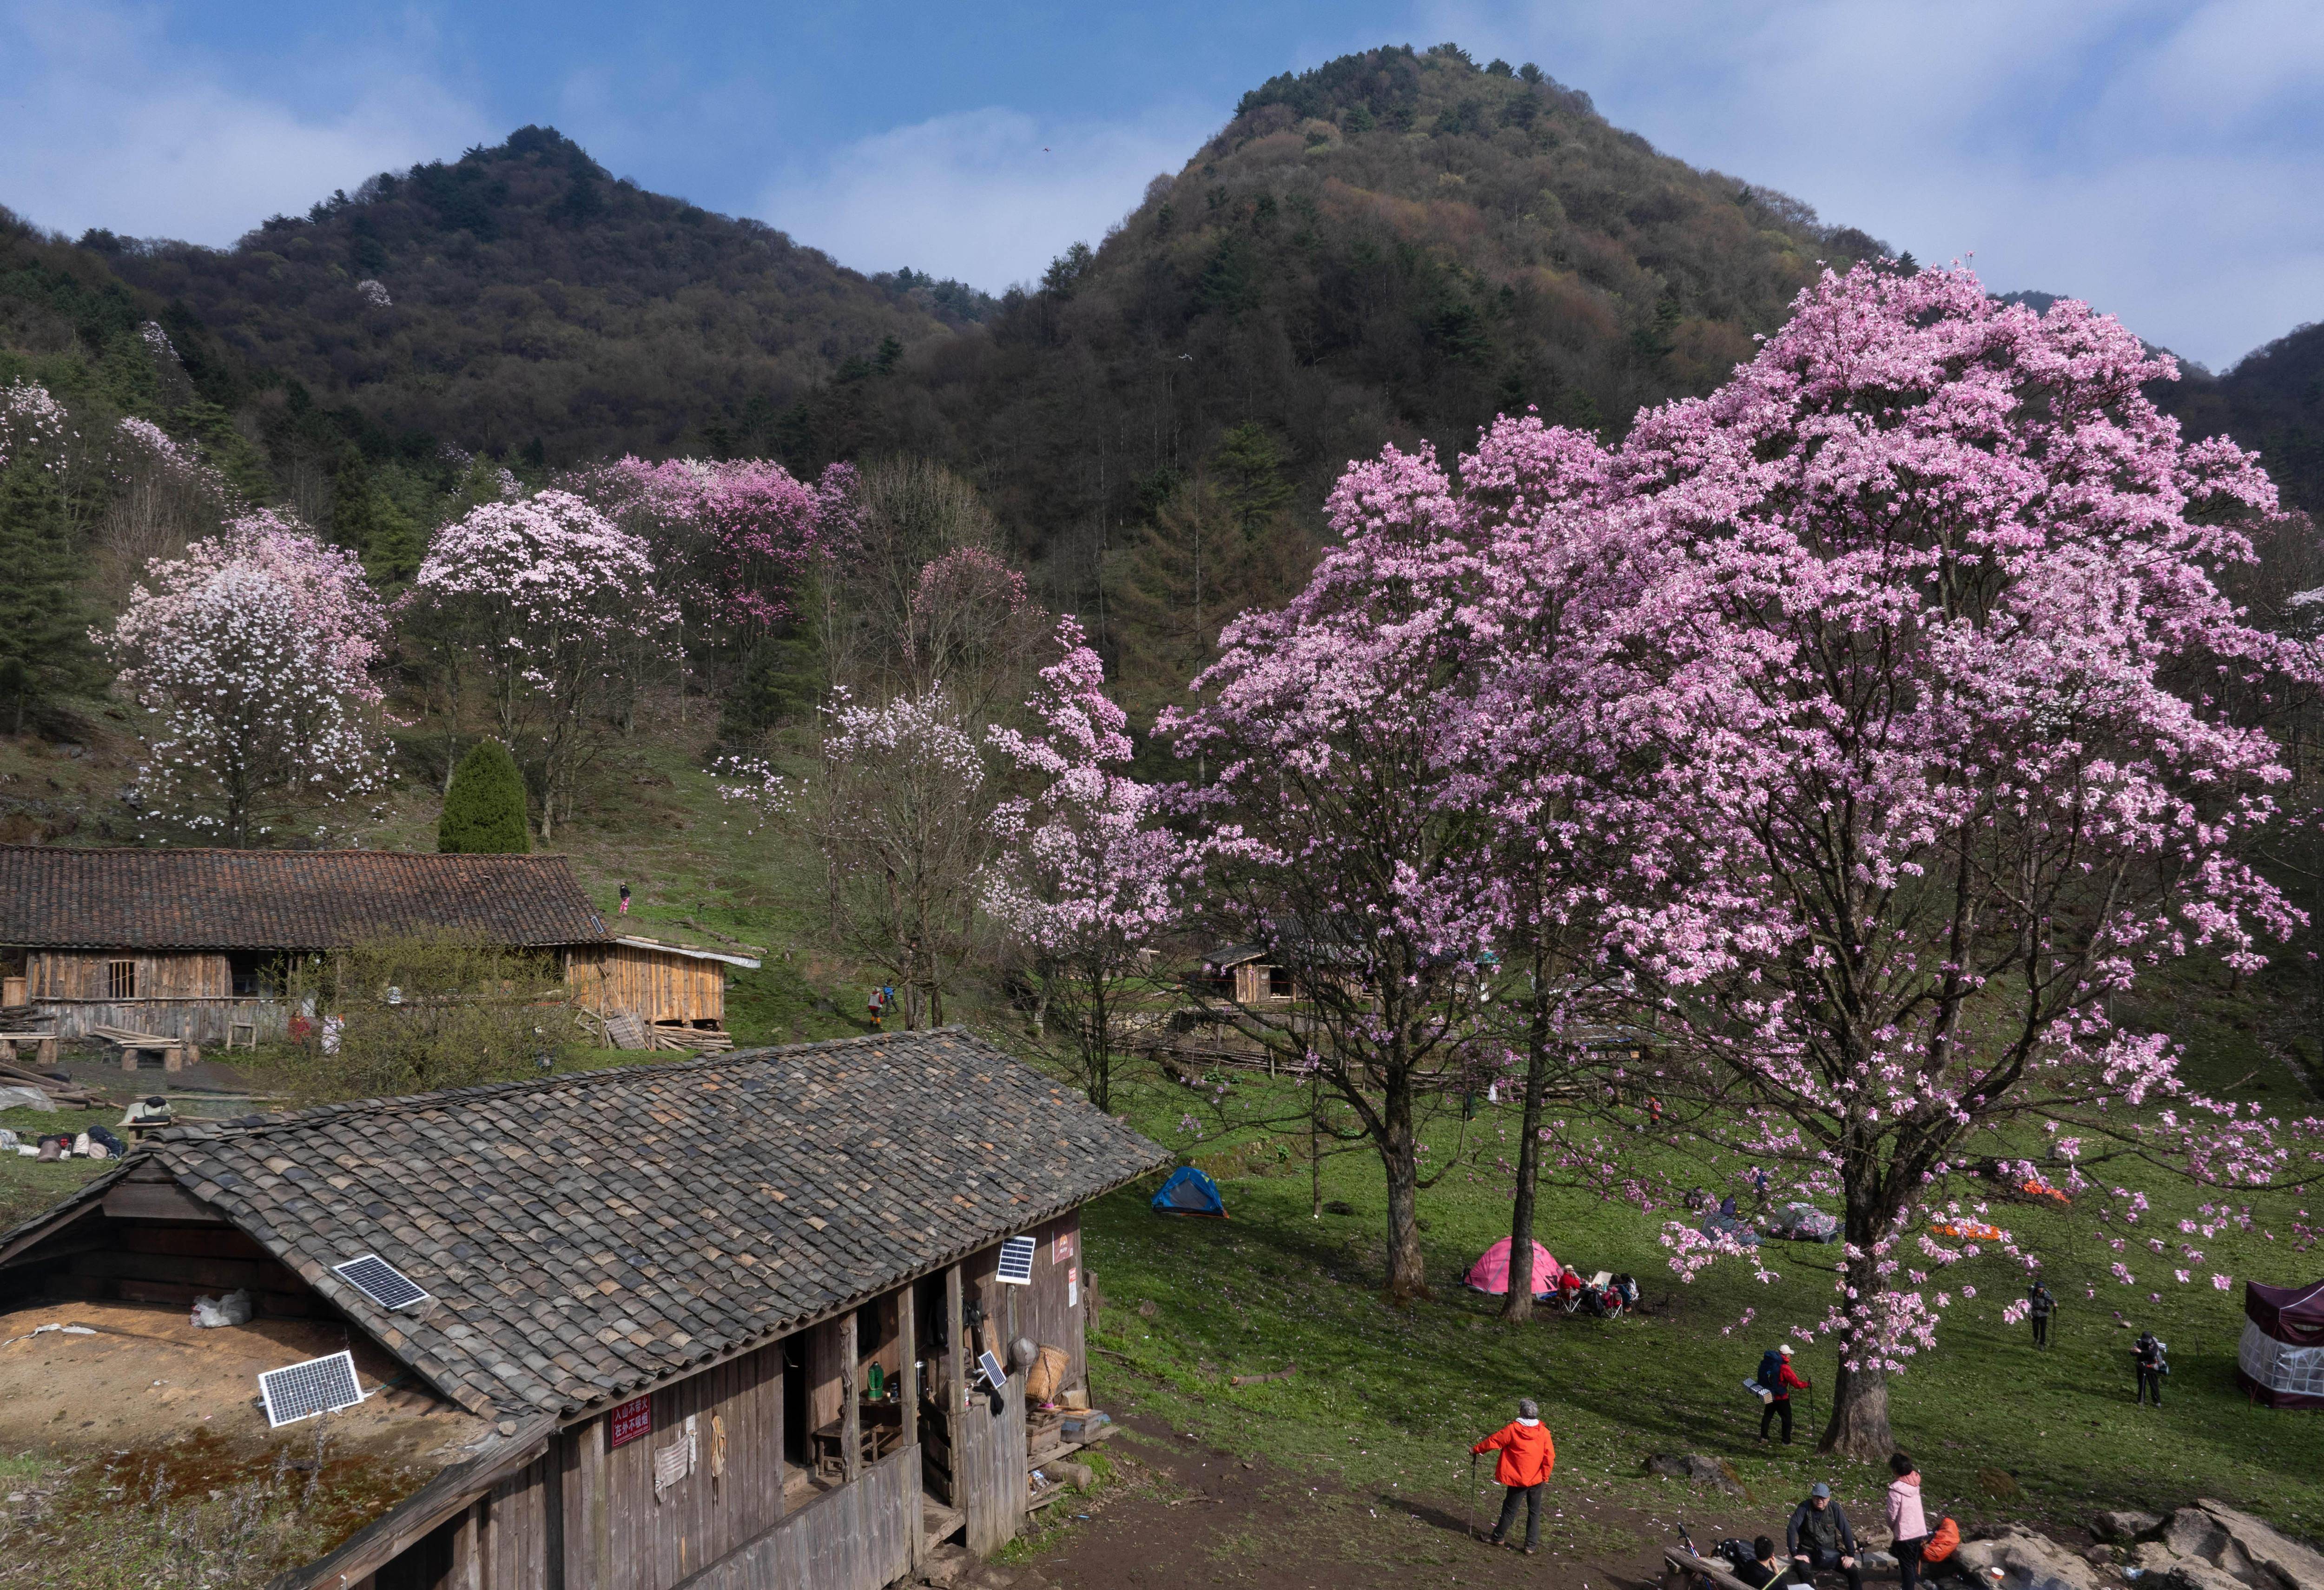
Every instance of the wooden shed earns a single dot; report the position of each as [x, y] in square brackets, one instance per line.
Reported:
[663, 1293]
[185, 944]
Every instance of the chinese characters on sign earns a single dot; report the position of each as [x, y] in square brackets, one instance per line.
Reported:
[631, 1419]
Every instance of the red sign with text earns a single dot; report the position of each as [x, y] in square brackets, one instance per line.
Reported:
[631, 1419]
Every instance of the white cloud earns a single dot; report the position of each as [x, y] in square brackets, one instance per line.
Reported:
[106, 121]
[2150, 161]
[987, 196]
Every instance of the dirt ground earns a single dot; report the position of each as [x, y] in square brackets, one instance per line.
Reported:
[1186, 1513]
[147, 1376]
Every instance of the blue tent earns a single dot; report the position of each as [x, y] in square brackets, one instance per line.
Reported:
[1190, 1191]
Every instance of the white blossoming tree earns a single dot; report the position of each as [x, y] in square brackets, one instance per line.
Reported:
[253, 655]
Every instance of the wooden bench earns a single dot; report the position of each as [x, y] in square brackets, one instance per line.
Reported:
[174, 1051]
[43, 1044]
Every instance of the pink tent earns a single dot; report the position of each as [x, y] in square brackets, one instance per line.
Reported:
[1490, 1273]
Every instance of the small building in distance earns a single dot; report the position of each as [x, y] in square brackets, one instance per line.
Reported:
[716, 1323]
[184, 943]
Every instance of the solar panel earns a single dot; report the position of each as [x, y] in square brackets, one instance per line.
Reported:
[990, 1367]
[1017, 1260]
[301, 1391]
[381, 1281]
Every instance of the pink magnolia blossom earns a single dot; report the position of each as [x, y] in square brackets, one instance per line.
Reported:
[1084, 879]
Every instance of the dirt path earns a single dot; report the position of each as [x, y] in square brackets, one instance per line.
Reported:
[1187, 1513]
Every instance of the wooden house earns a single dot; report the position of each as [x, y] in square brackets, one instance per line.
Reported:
[653, 1303]
[185, 944]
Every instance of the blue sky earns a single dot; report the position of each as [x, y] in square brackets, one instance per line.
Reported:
[2163, 161]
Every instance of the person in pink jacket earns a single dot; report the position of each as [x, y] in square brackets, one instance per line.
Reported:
[1906, 1521]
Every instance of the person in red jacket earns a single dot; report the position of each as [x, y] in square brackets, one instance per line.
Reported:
[1786, 1383]
[1527, 1455]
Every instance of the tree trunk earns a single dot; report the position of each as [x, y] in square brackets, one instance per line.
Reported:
[1517, 1306]
[1314, 1147]
[1399, 1155]
[1858, 1427]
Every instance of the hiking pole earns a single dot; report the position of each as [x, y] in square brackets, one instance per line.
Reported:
[1473, 1495]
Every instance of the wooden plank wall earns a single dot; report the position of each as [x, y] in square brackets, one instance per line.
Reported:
[195, 1021]
[1049, 1309]
[618, 1536]
[59, 973]
[989, 1448]
[858, 1537]
[659, 985]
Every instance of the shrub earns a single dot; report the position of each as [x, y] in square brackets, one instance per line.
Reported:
[413, 1014]
[484, 808]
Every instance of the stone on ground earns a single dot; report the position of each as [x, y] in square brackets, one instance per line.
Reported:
[2121, 1528]
[2028, 1561]
[2275, 1561]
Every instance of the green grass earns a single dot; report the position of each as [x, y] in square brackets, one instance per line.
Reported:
[27, 1187]
[1388, 1400]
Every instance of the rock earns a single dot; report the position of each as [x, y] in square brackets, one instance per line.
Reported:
[2028, 1561]
[2152, 1557]
[2191, 1573]
[2123, 1528]
[1697, 1469]
[2274, 1560]
[2193, 1532]
[1079, 1475]
[1879, 1562]
[944, 1565]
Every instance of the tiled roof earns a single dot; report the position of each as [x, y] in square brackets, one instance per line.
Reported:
[587, 1236]
[55, 897]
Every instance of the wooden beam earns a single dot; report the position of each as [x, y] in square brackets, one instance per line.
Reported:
[957, 1370]
[156, 1200]
[907, 1363]
[851, 1403]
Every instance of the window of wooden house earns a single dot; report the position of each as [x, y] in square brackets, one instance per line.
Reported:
[1278, 982]
[254, 975]
[121, 979]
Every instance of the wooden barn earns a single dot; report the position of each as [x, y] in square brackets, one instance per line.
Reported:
[646, 1309]
[184, 943]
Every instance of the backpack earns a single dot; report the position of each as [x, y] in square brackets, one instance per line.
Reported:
[1942, 1541]
[1737, 1552]
[1771, 1371]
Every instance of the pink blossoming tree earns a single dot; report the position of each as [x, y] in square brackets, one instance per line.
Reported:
[1925, 662]
[1082, 884]
[549, 601]
[253, 653]
[1331, 837]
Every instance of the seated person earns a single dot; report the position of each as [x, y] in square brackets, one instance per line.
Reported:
[1819, 1536]
[1767, 1569]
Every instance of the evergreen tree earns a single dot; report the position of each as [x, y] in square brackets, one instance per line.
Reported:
[44, 645]
[483, 810]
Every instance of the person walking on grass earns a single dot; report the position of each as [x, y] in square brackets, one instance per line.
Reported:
[1906, 1521]
[1818, 1537]
[2151, 1367]
[2039, 1306]
[1778, 1377]
[877, 1006]
[1527, 1457]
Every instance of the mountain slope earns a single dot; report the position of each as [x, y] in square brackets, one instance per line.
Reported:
[1394, 246]
[2272, 400]
[521, 295]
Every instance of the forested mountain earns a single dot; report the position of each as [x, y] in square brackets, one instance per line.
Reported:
[521, 298]
[2273, 399]
[1391, 248]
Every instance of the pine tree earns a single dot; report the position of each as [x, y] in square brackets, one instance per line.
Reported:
[483, 810]
[44, 645]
